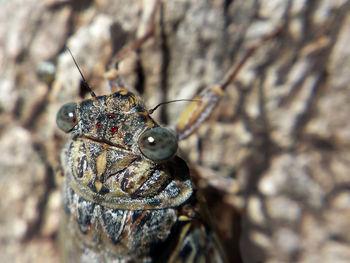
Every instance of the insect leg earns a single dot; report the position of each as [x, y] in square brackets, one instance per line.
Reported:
[113, 75]
[204, 104]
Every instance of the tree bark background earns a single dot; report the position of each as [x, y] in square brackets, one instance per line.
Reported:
[273, 159]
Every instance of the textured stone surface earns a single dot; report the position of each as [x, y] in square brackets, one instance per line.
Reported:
[276, 149]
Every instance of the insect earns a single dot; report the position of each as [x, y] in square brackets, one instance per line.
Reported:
[127, 196]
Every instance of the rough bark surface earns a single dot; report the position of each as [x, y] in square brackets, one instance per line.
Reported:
[273, 159]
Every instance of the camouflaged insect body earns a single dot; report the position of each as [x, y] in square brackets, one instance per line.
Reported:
[104, 157]
[121, 206]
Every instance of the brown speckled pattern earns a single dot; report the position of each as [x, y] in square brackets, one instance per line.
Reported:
[119, 205]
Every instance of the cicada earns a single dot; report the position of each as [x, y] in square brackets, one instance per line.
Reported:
[127, 196]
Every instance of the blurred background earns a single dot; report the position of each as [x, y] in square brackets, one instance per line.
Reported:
[273, 159]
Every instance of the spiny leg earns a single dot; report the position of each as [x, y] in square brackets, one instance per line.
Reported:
[113, 75]
[204, 104]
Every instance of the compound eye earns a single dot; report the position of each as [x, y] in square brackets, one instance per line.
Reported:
[158, 144]
[66, 117]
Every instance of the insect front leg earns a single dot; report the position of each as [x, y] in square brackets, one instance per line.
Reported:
[113, 75]
[204, 104]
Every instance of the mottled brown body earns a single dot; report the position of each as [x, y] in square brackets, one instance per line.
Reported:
[121, 206]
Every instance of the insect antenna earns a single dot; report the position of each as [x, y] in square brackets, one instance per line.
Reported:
[167, 102]
[85, 83]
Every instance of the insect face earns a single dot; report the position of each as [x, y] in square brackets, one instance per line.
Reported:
[117, 119]
[119, 154]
